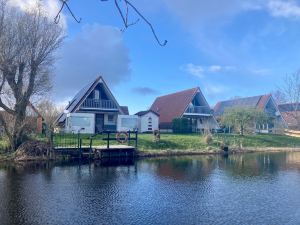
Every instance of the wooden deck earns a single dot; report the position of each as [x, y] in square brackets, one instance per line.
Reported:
[68, 145]
[97, 152]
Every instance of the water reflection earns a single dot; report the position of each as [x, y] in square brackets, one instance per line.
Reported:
[246, 188]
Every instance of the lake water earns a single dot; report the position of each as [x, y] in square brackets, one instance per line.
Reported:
[241, 189]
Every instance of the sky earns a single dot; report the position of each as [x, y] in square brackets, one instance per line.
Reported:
[227, 48]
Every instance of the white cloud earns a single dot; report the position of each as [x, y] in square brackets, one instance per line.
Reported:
[215, 68]
[261, 71]
[287, 8]
[213, 89]
[96, 50]
[50, 7]
[200, 71]
[193, 70]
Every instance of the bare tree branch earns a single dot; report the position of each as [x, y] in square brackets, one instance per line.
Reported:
[124, 16]
[63, 5]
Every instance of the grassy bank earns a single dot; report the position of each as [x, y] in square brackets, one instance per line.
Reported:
[179, 144]
[4, 155]
[194, 141]
[197, 142]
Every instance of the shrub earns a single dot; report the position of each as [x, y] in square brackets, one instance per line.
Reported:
[208, 139]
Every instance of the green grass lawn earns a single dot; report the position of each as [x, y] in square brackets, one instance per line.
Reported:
[178, 141]
[190, 141]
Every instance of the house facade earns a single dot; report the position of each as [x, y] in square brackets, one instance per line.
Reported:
[93, 109]
[189, 104]
[291, 114]
[265, 103]
[148, 121]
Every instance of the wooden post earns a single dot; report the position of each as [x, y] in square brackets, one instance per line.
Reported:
[80, 148]
[108, 139]
[90, 150]
[128, 137]
[136, 139]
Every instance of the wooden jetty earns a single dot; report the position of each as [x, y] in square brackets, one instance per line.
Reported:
[71, 145]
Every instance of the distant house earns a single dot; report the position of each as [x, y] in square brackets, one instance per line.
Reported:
[148, 121]
[189, 104]
[92, 110]
[291, 114]
[262, 102]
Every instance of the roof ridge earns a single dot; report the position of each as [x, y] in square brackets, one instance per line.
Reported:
[178, 92]
[239, 98]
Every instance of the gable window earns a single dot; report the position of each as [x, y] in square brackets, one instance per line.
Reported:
[97, 94]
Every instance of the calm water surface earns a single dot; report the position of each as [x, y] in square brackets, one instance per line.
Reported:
[241, 189]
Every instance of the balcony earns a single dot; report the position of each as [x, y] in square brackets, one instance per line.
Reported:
[98, 104]
[203, 110]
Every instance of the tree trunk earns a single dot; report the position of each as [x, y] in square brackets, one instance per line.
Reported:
[18, 135]
[242, 130]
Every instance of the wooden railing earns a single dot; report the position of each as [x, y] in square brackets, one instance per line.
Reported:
[199, 110]
[98, 104]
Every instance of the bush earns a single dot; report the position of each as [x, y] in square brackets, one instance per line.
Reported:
[208, 139]
[182, 125]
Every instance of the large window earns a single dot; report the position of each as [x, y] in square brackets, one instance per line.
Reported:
[130, 123]
[81, 121]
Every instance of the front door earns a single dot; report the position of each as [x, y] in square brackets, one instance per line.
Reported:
[99, 123]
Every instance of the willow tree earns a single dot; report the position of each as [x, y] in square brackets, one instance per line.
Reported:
[28, 41]
[242, 119]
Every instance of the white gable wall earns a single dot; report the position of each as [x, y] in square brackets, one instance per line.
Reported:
[145, 125]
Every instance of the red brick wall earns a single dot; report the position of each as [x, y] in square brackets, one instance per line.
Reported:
[39, 125]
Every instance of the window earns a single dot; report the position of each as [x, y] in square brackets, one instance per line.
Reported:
[80, 121]
[129, 123]
[150, 123]
[97, 94]
[110, 118]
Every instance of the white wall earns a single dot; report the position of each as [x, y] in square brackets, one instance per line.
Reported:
[143, 122]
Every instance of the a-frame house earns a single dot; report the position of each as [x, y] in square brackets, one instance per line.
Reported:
[190, 104]
[265, 103]
[92, 110]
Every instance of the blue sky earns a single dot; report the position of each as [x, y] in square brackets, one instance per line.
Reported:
[227, 48]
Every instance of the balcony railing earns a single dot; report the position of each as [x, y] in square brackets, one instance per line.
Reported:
[198, 110]
[98, 104]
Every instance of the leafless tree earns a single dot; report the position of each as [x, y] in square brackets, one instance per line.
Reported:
[291, 92]
[123, 8]
[28, 41]
[279, 97]
[50, 111]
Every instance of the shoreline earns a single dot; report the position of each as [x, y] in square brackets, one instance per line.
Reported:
[167, 153]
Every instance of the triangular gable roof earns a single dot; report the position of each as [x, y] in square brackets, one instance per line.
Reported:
[82, 95]
[259, 102]
[173, 105]
[125, 110]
